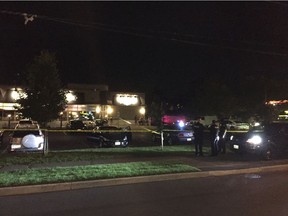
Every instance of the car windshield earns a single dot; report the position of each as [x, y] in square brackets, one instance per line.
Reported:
[25, 122]
[175, 127]
[22, 133]
[109, 128]
[240, 122]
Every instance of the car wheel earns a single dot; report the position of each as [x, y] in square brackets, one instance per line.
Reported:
[125, 144]
[267, 154]
[101, 143]
[91, 142]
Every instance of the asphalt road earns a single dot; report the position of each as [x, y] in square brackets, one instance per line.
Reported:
[243, 194]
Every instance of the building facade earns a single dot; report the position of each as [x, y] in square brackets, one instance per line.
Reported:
[85, 101]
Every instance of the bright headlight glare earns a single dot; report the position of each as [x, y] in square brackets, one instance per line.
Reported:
[255, 140]
[181, 124]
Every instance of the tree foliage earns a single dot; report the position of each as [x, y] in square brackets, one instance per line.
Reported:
[44, 97]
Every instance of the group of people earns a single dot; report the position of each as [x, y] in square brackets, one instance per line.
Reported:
[142, 120]
[217, 137]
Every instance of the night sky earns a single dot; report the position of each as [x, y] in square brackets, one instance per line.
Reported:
[163, 47]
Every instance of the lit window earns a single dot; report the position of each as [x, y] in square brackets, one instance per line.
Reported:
[127, 99]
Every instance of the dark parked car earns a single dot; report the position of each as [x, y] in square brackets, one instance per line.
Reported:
[173, 134]
[268, 141]
[101, 122]
[110, 136]
[76, 125]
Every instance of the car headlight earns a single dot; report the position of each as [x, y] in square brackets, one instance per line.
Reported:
[255, 140]
[181, 124]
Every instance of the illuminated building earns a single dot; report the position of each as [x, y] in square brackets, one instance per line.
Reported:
[83, 100]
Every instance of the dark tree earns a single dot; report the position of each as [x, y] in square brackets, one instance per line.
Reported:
[44, 96]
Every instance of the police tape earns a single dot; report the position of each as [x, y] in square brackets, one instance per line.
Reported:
[145, 130]
[76, 131]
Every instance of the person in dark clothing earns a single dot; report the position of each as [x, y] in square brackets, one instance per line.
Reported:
[129, 134]
[213, 131]
[136, 119]
[221, 137]
[198, 128]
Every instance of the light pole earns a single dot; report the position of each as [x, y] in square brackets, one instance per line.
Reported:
[9, 120]
[61, 119]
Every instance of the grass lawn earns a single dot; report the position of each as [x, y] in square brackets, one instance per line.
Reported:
[90, 172]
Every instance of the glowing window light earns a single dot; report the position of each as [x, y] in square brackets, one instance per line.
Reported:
[127, 99]
[75, 114]
[8, 106]
[70, 97]
[109, 110]
[142, 111]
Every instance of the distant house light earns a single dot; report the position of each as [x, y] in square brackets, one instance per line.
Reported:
[276, 102]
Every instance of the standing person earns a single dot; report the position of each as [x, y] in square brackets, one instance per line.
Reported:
[198, 128]
[149, 121]
[221, 137]
[213, 129]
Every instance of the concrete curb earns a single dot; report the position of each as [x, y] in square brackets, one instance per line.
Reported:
[31, 189]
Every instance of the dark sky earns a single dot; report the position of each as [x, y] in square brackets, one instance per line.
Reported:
[147, 46]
